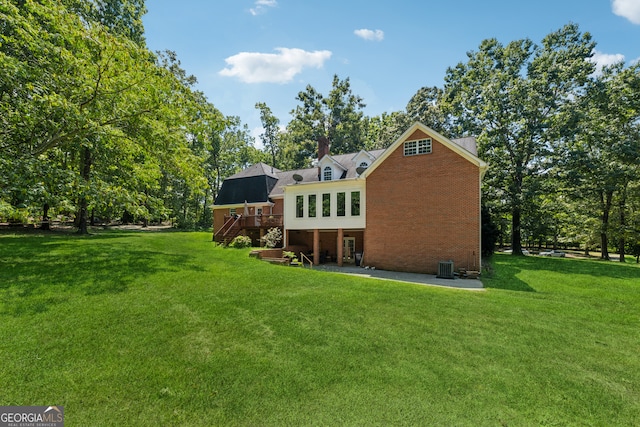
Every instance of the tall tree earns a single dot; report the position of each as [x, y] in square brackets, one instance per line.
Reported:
[79, 98]
[271, 133]
[338, 117]
[601, 160]
[383, 130]
[512, 97]
[426, 106]
[121, 17]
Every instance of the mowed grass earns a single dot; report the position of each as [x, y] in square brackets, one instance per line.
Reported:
[167, 329]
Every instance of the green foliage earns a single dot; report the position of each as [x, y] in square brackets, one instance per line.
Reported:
[291, 255]
[240, 242]
[89, 115]
[271, 135]
[490, 233]
[272, 238]
[519, 99]
[338, 117]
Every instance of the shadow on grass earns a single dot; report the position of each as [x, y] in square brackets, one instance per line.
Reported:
[503, 270]
[501, 274]
[39, 271]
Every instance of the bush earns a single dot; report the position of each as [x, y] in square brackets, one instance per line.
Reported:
[272, 238]
[240, 242]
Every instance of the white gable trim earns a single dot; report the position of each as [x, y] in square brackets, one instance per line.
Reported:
[482, 165]
[327, 160]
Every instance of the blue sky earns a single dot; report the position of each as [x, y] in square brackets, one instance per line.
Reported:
[248, 51]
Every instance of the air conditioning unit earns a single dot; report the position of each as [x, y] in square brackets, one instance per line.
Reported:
[445, 270]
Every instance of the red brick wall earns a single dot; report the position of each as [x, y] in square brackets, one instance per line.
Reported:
[423, 209]
[278, 207]
[218, 219]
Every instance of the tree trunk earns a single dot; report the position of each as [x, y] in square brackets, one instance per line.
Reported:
[605, 204]
[516, 237]
[83, 205]
[45, 218]
[623, 223]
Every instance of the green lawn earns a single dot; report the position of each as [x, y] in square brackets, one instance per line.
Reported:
[167, 329]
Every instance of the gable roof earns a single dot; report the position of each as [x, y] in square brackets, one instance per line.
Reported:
[465, 147]
[346, 161]
[260, 182]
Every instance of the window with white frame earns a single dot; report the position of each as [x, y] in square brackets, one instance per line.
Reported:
[299, 206]
[363, 165]
[342, 203]
[422, 146]
[327, 174]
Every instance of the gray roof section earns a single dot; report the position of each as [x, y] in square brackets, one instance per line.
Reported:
[258, 169]
[311, 174]
[468, 143]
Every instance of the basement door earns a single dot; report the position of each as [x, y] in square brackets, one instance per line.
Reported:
[348, 249]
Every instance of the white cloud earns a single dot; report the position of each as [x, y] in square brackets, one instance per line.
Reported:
[261, 6]
[604, 59]
[629, 9]
[376, 35]
[281, 67]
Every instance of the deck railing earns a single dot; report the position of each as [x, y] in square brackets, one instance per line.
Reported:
[304, 258]
[258, 221]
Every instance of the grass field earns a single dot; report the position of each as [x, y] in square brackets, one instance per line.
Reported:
[167, 329]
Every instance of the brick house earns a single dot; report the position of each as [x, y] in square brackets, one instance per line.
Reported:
[405, 208]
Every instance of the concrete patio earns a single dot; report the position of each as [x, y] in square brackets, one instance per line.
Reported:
[417, 278]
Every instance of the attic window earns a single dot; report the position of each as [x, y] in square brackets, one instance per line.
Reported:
[327, 174]
[422, 146]
[363, 165]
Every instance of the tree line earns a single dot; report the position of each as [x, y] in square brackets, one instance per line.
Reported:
[95, 127]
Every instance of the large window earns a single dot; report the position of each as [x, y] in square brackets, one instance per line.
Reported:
[412, 148]
[299, 206]
[341, 210]
[355, 203]
[326, 204]
[327, 174]
[312, 206]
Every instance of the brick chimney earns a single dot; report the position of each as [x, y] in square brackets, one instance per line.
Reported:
[323, 146]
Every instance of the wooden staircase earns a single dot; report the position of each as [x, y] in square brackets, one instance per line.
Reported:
[231, 228]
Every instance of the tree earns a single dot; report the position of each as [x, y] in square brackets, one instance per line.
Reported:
[114, 123]
[338, 117]
[122, 17]
[516, 99]
[426, 107]
[271, 133]
[383, 130]
[601, 160]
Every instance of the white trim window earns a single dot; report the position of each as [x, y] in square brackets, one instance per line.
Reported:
[327, 173]
[421, 146]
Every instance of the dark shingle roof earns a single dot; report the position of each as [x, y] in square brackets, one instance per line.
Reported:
[252, 189]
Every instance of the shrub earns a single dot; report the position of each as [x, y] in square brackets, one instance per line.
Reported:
[240, 242]
[272, 238]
